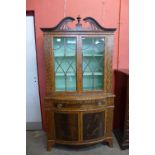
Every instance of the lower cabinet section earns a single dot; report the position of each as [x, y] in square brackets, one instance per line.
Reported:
[93, 125]
[81, 123]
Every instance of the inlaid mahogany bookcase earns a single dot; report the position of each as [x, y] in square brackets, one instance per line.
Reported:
[79, 102]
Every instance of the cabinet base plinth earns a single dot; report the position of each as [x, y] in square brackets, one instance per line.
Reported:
[50, 144]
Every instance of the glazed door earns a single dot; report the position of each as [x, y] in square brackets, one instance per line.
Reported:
[92, 63]
[64, 53]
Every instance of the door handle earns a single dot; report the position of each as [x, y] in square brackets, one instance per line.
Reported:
[35, 79]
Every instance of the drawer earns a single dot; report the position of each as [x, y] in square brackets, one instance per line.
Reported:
[80, 105]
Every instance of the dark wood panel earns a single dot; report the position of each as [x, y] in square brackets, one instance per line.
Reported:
[121, 111]
[66, 126]
[93, 125]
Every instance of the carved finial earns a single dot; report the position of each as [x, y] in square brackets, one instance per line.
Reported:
[78, 25]
[78, 18]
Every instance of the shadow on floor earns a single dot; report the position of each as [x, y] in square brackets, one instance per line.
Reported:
[36, 145]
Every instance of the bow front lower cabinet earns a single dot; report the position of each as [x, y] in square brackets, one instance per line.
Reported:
[79, 102]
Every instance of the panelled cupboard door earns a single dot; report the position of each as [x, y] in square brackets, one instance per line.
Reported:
[93, 125]
[66, 126]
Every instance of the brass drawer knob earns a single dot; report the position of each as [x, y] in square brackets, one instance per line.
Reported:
[99, 103]
[59, 105]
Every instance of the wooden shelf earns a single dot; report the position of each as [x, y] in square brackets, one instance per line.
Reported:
[96, 73]
[62, 89]
[68, 74]
[85, 55]
[90, 55]
[90, 88]
[64, 56]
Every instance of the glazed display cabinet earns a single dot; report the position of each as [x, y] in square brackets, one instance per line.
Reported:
[79, 101]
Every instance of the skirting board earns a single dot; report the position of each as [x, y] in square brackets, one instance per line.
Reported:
[33, 125]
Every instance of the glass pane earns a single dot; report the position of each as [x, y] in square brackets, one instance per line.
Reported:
[92, 63]
[64, 49]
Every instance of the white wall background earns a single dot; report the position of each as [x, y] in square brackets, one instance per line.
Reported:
[33, 113]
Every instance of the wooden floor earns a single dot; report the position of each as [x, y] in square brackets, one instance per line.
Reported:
[36, 145]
